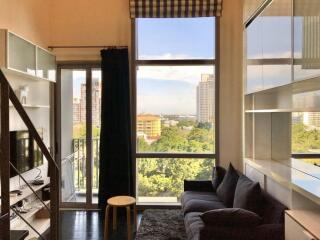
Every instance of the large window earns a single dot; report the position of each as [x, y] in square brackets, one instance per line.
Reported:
[175, 105]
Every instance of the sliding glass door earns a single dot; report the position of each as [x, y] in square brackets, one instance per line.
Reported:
[79, 110]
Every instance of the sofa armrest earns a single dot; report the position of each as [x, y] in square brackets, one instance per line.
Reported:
[200, 186]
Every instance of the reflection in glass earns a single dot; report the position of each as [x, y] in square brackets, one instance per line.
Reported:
[46, 64]
[306, 39]
[254, 78]
[254, 40]
[276, 75]
[175, 109]
[306, 132]
[175, 38]
[161, 179]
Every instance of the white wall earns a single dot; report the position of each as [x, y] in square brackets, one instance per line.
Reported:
[30, 19]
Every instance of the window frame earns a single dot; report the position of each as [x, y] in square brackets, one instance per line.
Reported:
[135, 62]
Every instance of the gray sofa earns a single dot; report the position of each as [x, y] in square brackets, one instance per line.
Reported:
[200, 197]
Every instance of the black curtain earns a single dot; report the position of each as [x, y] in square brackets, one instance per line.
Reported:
[116, 168]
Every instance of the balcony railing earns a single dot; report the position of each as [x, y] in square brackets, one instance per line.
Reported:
[79, 164]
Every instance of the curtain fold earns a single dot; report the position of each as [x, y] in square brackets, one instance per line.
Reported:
[175, 8]
[116, 168]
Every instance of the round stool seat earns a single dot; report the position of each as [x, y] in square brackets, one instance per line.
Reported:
[114, 203]
[121, 201]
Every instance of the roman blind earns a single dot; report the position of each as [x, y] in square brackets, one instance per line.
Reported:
[175, 8]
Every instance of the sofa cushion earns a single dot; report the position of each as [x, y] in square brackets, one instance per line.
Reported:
[193, 225]
[227, 187]
[193, 195]
[217, 176]
[248, 195]
[231, 217]
[198, 205]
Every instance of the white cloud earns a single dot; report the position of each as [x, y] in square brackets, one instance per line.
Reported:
[166, 104]
[189, 74]
[165, 56]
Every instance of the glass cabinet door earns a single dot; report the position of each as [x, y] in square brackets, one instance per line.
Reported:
[254, 57]
[21, 55]
[269, 48]
[46, 64]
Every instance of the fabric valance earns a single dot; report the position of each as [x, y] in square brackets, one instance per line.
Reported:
[175, 8]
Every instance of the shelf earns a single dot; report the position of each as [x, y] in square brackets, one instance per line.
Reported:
[32, 106]
[18, 234]
[282, 110]
[36, 207]
[40, 224]
[289, 177]
[25, 76]
[299, 86]
[27, 192]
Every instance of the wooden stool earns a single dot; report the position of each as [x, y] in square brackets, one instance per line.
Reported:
[115, 202]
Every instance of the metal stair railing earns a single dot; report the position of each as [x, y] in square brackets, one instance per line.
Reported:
[7, 94]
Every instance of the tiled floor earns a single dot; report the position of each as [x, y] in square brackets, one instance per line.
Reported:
[88, 225]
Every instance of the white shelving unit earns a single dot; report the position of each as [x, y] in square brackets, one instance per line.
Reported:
[32, 69]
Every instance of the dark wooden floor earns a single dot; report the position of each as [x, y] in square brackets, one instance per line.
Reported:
[89, 225]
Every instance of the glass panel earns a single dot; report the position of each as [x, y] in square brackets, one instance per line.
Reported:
[306, 132]
[22, 55]
[46, 65]
[280, 26]
[73, 135]
[254, 40]
[160, 180]
[263, 46]
[96, 124]
[176, 109]
[254, 78]
[276, 75]
[306, 39]
[176, 38]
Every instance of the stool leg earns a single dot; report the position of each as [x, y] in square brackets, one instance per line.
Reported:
[129, 223]
[135, 216]
[106, 223]
[114, 223]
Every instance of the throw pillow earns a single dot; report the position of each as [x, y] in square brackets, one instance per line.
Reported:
[228, 186]
[247, 195]
[217, 177]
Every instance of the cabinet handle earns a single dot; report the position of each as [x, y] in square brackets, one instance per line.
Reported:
[308, 235]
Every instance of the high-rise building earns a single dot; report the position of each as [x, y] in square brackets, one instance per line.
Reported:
[96, 101]
[80, 106]
[150, 125]
[76, 110]
[206, 99]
